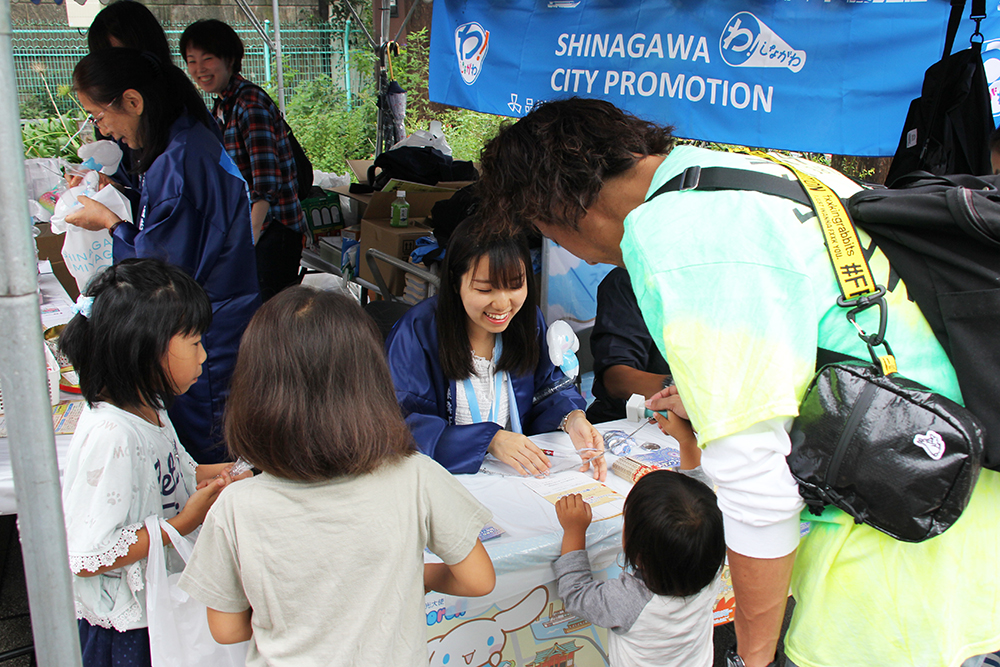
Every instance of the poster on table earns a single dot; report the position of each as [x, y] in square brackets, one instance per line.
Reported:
[527, 629]
[824, 76]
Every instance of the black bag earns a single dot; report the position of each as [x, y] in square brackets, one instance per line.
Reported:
[947, 128]
[851, 449]
[303, 167]
[419, 164]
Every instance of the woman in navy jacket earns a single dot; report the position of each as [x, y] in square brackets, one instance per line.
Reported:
[194, 212]
[458, 360]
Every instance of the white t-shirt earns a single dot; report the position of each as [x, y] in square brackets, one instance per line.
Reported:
[333, 570]
[121, 470]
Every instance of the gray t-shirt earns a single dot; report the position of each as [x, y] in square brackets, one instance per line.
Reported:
[647, 630]
[333, 570]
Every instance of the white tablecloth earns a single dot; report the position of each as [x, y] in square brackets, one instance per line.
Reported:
[56, 309]
[523, 556]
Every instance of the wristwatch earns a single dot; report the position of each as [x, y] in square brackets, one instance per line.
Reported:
[733, 659]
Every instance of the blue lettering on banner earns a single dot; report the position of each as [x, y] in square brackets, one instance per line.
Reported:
[792, 74]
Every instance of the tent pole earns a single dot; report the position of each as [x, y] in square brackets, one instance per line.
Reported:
[29, 413]
[277, 56]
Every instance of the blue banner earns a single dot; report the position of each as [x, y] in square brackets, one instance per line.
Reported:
[824, 76]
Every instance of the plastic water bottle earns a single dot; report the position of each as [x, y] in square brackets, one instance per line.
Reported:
[400, 210]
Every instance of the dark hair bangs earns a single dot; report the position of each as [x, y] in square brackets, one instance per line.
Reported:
[507, 267]
[118, 351]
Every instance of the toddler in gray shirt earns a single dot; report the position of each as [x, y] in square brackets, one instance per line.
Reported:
[659, 610]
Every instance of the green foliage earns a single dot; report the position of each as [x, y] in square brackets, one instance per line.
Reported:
[49, 138]
[467, 131]
[328, 131]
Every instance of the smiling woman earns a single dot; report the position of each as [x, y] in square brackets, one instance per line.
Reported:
[193, 212]
[471, 366]
[259, 140]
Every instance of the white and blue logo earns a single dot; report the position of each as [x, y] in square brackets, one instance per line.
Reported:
[746, 41]
[472, 41]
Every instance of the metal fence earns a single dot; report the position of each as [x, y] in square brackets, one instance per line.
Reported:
[44, 58]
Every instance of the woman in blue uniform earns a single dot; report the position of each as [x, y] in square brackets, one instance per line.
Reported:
[194, 212]
[472, 369]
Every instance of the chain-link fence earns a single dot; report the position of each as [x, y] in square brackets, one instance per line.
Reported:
[44, 58]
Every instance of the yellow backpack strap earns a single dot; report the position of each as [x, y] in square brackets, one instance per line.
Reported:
[858, 288]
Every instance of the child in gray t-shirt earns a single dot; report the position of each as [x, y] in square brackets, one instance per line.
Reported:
[660, 613]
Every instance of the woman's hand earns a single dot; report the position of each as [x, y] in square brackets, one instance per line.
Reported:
[94, 215]
[520, 453]
[584, 436]
[205, 473]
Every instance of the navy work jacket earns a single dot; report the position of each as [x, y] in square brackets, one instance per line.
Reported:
[194, 212]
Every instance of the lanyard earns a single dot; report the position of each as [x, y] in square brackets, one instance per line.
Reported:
[470, 395]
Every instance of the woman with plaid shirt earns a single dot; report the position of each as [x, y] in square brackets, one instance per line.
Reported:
[259, 141]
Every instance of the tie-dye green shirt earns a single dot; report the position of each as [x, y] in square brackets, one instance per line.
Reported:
[738, 292]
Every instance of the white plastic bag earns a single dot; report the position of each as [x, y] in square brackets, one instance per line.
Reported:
[178, 624]
[87, 252]
[433, 137]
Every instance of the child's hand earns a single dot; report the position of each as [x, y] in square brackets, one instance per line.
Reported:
[193, 513]
[574, 516]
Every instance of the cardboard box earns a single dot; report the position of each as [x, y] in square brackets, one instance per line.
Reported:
[395, 241]
[50, 248]
[376, 232]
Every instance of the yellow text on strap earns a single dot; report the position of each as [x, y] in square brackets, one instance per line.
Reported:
[849, 263]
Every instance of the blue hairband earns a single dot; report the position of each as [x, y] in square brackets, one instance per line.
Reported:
[83, 305]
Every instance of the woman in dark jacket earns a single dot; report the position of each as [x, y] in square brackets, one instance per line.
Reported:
[193, 212]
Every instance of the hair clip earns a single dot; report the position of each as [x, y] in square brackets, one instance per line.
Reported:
[83, 305]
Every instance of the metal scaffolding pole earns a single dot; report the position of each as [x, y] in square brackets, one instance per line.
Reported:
[26, 395]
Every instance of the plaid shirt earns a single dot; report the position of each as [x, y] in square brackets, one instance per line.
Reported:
[256, 137]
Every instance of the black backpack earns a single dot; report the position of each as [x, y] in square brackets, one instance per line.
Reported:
[947, 128]
[941, 234]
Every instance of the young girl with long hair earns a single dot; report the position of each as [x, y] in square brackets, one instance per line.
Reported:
[319, 559]
[193, 212]
[471, 366]
[136, 344]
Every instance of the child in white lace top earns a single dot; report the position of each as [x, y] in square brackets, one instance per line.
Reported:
[136, 343]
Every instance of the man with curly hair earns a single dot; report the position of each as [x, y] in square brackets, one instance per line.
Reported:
[738, 292]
